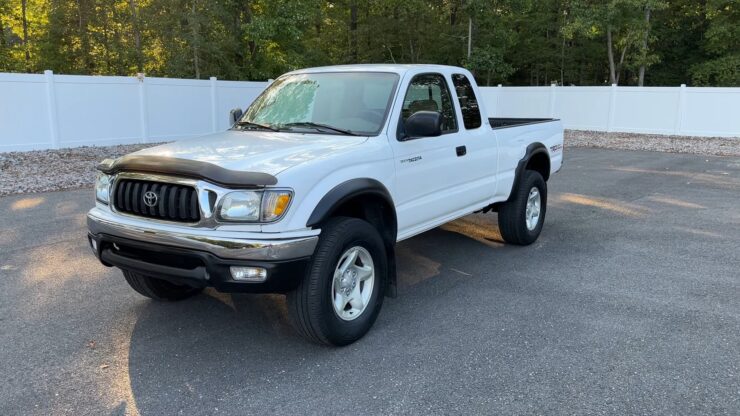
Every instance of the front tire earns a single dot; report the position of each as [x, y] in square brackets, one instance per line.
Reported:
[342, 291]
[158, 289]
[520, 220]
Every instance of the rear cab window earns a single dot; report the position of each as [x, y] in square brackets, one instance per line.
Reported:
[468, 101]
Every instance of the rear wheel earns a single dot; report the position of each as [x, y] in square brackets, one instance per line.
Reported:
[158, 289]
[520, 219]
[342, 291]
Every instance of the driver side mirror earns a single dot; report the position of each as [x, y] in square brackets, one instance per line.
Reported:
[423, 124]
[235, 115]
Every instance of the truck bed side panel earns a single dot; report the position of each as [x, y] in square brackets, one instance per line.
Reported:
[513, 142]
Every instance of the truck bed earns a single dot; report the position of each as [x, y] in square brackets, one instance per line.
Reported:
[502, 123]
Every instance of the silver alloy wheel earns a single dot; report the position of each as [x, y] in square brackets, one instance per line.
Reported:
[352, 283]
[532, 213]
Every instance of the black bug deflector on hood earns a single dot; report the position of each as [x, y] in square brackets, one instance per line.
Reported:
[187, 168]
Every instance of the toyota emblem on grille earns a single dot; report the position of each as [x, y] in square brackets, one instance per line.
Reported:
[150, 199]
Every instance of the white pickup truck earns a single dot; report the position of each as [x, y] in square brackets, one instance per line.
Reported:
[309, 191]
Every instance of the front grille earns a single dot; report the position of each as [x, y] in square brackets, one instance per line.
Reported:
[165, 201]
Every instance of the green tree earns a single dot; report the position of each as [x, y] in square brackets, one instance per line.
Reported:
[488, 64]
[5, 40]
[722, 43]
[624, 27]
[524, 42]
[645, 56]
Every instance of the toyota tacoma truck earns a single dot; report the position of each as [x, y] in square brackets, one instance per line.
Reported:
[309, 191]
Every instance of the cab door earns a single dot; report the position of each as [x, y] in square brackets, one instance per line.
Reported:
[429, 170]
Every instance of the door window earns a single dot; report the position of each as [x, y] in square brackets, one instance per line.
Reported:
[429, 92]
[468, 102]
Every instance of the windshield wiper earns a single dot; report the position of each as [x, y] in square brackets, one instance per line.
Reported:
[250, 123]
[320, 126]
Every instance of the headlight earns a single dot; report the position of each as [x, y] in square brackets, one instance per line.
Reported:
[102, 188]
[241, 206]
[254, 206]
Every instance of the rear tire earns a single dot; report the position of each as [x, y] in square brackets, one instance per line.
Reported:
[318, 307]
[158, 289]
[516, 220]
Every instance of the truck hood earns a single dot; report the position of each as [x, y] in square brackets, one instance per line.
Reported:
[254, 151]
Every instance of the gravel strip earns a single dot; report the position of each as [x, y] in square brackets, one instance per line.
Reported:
[711, 146]
[55, 170]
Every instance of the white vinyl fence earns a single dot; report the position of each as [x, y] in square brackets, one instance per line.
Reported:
[684, 111]
[43, 111]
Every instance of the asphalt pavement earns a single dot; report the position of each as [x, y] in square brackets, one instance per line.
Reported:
[629, 303]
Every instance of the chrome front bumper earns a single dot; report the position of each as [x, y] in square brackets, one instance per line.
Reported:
[223, 244]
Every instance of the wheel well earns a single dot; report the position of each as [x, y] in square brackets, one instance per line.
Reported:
[380, 214]
[373, 209]
[539, 162]
[536, 159]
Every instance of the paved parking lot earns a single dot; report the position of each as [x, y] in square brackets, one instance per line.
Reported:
[628, 304]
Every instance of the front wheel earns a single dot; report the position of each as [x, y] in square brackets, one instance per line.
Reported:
[520, 219]
[342, 291]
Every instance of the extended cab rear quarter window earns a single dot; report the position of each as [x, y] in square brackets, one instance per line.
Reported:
[468, 101]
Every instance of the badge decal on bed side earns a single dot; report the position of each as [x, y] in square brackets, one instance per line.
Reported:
[556, 148]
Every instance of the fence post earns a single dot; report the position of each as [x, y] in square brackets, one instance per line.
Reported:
[553, 89]
[612, 108]
[678, 128]
[214, 104]
[143, 113]
[51, 102]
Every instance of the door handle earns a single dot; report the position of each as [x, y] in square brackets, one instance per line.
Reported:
[461, 150]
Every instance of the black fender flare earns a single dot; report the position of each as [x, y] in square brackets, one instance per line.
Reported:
[532, 150]
[343, 193]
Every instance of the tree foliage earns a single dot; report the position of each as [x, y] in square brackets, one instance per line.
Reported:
[522, 42]
[722, 44]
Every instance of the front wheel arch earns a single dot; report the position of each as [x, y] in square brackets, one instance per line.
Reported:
[344, 193]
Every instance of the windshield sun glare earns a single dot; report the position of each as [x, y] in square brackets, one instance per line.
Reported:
[354, 103]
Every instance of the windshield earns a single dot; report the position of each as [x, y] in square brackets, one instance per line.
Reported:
[336, 102]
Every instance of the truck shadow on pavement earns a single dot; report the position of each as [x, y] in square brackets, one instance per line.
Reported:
[237, 343]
